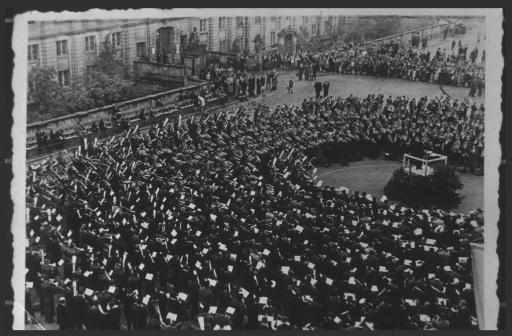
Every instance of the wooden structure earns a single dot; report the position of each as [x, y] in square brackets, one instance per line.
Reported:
[423, 166]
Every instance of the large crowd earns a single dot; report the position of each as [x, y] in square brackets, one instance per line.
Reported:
[449, 67]
[240, 84]
[456, 66]
[219, 222]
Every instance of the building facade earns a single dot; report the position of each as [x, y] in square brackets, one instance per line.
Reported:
[252, 33]
[72, 47]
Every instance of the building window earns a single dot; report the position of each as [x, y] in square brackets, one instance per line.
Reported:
[116, 39]
[62, 48]
[306, 19]
[90, 68]
[64, 78]
[239, 21]
[202, 25]
[220, 23]
[141, 49]
[246, 44]
[33, 52]
[223, 45]
[90, 43]
[257, 19]
[272, 38]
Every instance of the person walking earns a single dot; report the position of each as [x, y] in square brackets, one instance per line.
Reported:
[290, 86]
[269, 78]
[274, 82]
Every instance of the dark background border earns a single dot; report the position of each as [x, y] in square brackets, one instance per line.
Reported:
[6, 66]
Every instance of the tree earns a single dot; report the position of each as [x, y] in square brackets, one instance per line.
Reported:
[106, 83]
[439, 189]
[46, 98]
[104, 88]
[108, 62]
[76, 98]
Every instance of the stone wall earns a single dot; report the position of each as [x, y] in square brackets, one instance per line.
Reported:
[160, 72]
[69, 122]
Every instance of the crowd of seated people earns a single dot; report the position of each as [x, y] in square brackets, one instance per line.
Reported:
[219, 223]
[47, 139]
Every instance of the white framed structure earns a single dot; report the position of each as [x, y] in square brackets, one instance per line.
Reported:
[423, 166]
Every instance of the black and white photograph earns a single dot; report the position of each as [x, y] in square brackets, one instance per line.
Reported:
[256, 169]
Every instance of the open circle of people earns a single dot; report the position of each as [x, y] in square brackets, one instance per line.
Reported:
[220, 220]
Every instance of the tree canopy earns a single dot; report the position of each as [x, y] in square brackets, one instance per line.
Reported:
[104, 84]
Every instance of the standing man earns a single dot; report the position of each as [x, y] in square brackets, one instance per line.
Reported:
[258, 85]
[318, 89]
[63, 318]
[269, 77]
[326, 88]
[252, 84]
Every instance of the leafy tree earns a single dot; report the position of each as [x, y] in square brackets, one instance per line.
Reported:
[76, 98]
[105, 88]
[46, 98]
[108, 61]
[439, 189]
[106, 83]
[385, 26]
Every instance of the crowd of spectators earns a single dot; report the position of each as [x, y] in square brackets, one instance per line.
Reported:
[119, 121]
[219, 222]
[238, 83]
[454, 67]
[50, 139]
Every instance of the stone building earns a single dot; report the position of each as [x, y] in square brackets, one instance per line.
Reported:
[252, 33]
[72, 47]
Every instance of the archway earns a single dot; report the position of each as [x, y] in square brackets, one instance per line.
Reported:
[238, 45]
[165, 45]
[259, 43]
[287, 39]
[288, 44]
